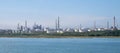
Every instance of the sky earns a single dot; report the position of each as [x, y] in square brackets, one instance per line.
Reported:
[72, 13]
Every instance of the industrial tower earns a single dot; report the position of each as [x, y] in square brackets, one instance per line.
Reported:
[114, 23]
[57, 23]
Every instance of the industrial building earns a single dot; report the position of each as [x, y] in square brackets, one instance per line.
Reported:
[37, 28]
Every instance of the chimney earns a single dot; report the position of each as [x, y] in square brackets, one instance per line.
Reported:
[94, 24]
[25, 24]
[58, 23]
[107, 24]
[114, 24]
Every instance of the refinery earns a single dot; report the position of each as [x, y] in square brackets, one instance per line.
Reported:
[39, 29]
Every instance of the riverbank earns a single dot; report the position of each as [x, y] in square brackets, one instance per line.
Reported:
[94, 34]
[59, 36]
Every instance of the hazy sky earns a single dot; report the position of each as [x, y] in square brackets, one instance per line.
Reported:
[72, 13]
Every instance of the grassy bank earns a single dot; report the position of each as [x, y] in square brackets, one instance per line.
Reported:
[101, 34]
[53, 36]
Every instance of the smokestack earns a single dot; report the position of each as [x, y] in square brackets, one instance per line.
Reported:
[25, 24]
[58, 23]
[94, 24]
[80, 26]
[107, 24]
[18, 26]
[114, 24]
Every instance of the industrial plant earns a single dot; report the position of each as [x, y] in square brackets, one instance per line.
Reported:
[40, 30]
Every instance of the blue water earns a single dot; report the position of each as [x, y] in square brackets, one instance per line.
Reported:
[59, 45]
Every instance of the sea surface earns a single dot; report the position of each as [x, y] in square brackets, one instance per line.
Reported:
[59, 45]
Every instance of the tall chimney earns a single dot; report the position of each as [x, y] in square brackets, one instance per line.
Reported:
[114, 24]
[58, 23]
[18, 26]
[107, 24]
[25, 24]
[94, 24]
[80, 26]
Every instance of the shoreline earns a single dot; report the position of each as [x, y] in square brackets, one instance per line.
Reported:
[61, 37]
